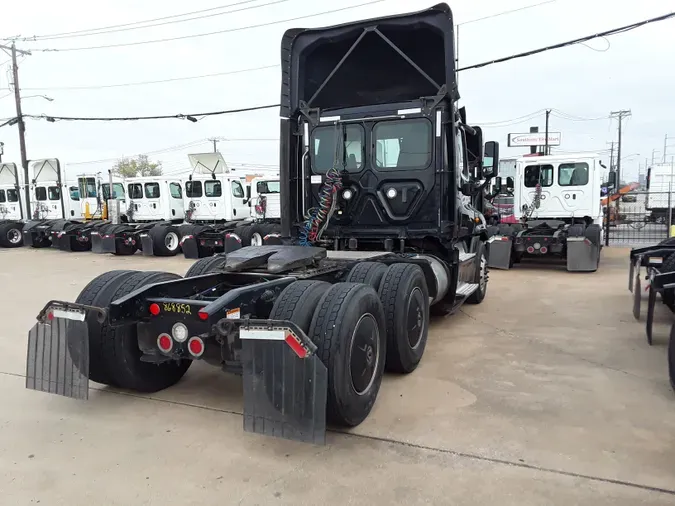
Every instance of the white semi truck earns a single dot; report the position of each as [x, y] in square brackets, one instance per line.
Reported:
[557, 202]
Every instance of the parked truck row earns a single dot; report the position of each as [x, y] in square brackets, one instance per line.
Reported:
[205, 213]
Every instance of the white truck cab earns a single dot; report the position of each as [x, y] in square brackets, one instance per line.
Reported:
[569, 188]
[213, 193]
[265, 198]
[155, 198]
[11, 184]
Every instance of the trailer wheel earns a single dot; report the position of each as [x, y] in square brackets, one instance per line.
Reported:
[120, 349]
[348, 328]
[405, 297]
[11, 235]
[368, 273]
[165, 240]
[298, 301]
[205, 266]
[90, 296]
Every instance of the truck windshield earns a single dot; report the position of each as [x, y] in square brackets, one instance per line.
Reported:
[118, 191]
[339, 147]
[402, 144]
[538, 174]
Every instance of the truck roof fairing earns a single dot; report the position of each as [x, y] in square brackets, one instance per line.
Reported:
[377, 61]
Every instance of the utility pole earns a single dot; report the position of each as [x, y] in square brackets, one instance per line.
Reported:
[620, 115]
[22, 126]
[546, 148]
[611, 157]
[215, 141]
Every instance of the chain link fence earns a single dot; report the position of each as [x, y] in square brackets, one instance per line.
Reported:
[639, 218]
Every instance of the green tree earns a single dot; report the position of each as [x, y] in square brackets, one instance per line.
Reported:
[136, 167]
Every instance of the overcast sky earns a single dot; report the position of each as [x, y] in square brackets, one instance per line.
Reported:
[632, 71]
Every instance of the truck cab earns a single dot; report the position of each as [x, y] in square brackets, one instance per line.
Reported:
[212, 192]
[10, 192]
[155, 198]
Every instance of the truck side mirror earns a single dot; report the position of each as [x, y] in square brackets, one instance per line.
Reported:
[491, 160]
[611, 182]
[509, 184]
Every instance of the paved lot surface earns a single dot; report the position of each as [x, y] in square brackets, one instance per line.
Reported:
[546, 393]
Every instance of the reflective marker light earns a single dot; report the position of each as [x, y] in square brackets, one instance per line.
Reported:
[203, 315]
[154, 309]
[391, 193]
[347, 194]
[164, 343]
[196, 346]
[179, 332]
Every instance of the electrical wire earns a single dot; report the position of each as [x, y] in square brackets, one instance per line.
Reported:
[10, 122]
[206, 34]
[606, 33]
[563, 115]
[190, 117]
[506, 12]
[49, 35]
[124, 28]
[142, 83]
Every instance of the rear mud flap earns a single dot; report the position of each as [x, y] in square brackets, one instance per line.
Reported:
[147, 245]
[284, 395]
[500, 252]
[190, 247]
[637, 294]
[582, 255]
[58, 358]
[102, 243]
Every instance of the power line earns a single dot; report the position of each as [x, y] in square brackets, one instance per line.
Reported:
[190, 117]
[76, 32]
[128, 28]
[506, 12]
[563, 115]
[142, 83]
[206, 34]
[607, 33]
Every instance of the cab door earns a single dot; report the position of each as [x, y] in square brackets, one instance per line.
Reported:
[240, 208]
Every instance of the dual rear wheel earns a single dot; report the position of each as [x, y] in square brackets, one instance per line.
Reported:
[377, 319]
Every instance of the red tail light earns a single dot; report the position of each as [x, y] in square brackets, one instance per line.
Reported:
[165, 343]
[544, 249]
[530, 249]
[203, 315]
[154, 309]
[196, 346]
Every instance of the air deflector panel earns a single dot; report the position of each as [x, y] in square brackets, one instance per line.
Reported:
[378, 61]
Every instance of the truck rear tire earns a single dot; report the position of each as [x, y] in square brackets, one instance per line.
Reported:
[671, 357]
[165, 240]
[120, 353]
[668, 296]
[91, 296]
[11, 235]
[478, 296]
[205, 266]
[405, 297]
[298, 301]
[368, 273]
[348, 328]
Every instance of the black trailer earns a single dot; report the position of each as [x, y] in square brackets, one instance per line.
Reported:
[383, 182]
[659, 264]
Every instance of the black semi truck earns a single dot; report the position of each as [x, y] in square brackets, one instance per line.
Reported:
[383, 182]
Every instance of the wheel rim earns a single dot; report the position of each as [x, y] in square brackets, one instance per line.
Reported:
[416, 320]
[482, 281]
[171, 241]
[364, 353]
[256, 239]
[14, 236]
